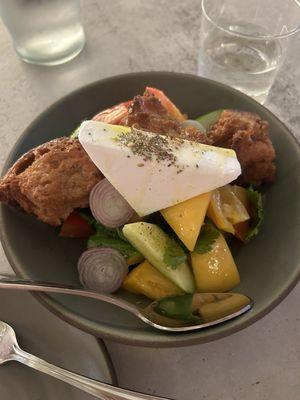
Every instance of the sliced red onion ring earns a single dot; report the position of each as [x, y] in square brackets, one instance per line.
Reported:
[196, 124]
[102, 269]
[108, 206]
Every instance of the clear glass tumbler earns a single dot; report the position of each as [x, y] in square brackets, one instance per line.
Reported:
[46, 32]
[243, 42]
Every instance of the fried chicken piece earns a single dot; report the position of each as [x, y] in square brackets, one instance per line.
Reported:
[51, 180]
[147, 113]
[247, 134]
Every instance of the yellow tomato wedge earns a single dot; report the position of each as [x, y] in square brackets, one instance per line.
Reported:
[215, 271]
[225, 209]
[242, 228]
[241, 194]
[186, 218]
[147, 280]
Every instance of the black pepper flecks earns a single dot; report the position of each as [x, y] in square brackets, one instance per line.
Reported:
[149, 147]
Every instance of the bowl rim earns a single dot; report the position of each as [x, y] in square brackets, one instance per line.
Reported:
[115, 333]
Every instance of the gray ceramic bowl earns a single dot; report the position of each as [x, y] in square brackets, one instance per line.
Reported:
[269, 265]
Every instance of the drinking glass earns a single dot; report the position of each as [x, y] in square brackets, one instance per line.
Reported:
[46, 32]
[244, 42]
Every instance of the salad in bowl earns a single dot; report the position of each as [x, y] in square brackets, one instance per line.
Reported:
[159, 197]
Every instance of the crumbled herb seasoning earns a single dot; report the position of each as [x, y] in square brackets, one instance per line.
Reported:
[147, 146]
[140, 164]
[174, 253]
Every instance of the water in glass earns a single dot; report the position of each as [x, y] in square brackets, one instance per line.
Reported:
[247, 64]
[44, 31]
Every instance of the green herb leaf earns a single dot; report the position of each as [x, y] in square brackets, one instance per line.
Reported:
[125, 248]
[257, 212]
[110, 237]
[104, 231]
[121, 235]
[174, 254]
[178, 307]
[99, 228]
[207, 237]
[87, 215]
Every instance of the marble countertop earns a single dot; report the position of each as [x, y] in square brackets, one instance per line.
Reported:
[261, 362]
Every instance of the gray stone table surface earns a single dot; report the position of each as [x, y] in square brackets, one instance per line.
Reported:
[261, 362]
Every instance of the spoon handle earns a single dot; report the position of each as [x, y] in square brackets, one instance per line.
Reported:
[98, 389]
[36, 286]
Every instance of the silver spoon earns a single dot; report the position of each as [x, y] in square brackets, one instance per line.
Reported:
[212, 308]
[10, 351]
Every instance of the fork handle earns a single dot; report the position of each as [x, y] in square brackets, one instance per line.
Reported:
[98, 389]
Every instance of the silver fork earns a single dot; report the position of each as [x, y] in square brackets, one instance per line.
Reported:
[10, 351]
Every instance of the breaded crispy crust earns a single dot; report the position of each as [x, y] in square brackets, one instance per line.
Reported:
[248, 135]
[51, 180]
[146, 112]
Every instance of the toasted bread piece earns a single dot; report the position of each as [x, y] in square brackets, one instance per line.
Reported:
[51, 180]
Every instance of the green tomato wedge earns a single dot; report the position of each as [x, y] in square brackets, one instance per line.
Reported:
[209, 119]
[153, 242]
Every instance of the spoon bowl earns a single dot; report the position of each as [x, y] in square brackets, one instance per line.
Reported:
[206, 309]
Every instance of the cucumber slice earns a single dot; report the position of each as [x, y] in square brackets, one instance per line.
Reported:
[151, 241]
[209, 119]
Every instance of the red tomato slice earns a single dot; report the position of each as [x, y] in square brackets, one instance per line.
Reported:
[167, 103]
[113, 115]
[75, 226]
